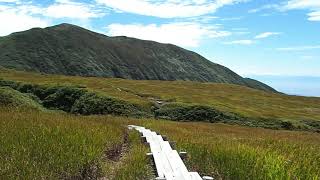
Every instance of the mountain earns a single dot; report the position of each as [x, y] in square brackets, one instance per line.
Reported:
[71, 50]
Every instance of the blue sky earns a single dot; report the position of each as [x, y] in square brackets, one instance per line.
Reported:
[252, 37]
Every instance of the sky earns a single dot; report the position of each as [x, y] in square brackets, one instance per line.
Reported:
[254, 38]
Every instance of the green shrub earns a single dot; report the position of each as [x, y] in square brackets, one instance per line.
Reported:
[7, 83]
[12, 98]
[287, 125]
[75, 99]
[192, 113]
[315, 125]
[34, 97]
[63, 98]
[92, 103]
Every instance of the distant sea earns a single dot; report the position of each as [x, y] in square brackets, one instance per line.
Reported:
[293, 85]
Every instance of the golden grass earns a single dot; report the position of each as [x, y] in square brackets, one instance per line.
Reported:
[43, 145]
[231, 98]
[235, 152]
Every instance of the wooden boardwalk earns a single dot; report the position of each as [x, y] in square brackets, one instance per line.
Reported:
[168, 163]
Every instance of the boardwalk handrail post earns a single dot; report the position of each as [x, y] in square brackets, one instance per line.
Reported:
[183, 155]
[207, 178]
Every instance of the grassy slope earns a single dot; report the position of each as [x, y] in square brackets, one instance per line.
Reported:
[231, 98]
[234, 152]
[45, 145]
[37, 145]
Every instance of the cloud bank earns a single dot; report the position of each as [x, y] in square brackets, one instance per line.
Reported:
[186, 34]
[168, 8]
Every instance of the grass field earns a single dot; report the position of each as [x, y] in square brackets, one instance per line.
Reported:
[234, 152]
[37, 143]
[228, 98]
[50, 145]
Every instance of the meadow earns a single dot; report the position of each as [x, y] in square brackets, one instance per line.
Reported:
[235, 152]
[51, 145]
[42, 143]
[244, 101]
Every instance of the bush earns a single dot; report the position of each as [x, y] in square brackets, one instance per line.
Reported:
[12, 98]
[63, 98]
[34, 97]
[91, 103]
[287, 125]
[315, 125]
[192, 113]
[7, 83]
[74, 99]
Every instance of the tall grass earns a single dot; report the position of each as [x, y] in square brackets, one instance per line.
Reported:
[44, 145]
[135, 164]
[233, 152]
[37, 145]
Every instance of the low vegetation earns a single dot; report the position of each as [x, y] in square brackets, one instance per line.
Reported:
[234, 152]
[234, 104]
[132, 165]
[70, 99]
[93, 103]
[44, 136]
[15, 99]
[182, 112]
[49, 145]
[46, 145]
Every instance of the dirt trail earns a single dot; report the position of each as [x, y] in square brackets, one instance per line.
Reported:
[114, 156]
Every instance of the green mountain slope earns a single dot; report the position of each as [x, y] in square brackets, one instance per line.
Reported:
[71, 50]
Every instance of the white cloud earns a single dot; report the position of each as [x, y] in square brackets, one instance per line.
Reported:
[265, 7]
[69, 9]
[232, 18]
[186, 34]
[202, 19]
[299, 48]
[60, 9]
[240, 42]
[168, 8]
[17, 16]
[311, 5]
[314, 16]
[13, 20]
[9, 1]
[266, 34]
[303, 4]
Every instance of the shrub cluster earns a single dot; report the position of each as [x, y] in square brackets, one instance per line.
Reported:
[193, 113]
[92, 103]
[13, 98]
[63, 98]
[73, 99]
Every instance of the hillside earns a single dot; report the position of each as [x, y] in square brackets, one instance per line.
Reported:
[251, 107]
[40, 144]
[53, 144]
[71, 50]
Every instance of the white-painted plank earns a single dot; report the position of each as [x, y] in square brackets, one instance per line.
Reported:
[168, 163]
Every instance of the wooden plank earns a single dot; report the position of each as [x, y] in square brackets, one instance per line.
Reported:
[168, 162]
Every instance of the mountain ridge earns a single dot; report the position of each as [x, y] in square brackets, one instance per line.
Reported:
[71, 50]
